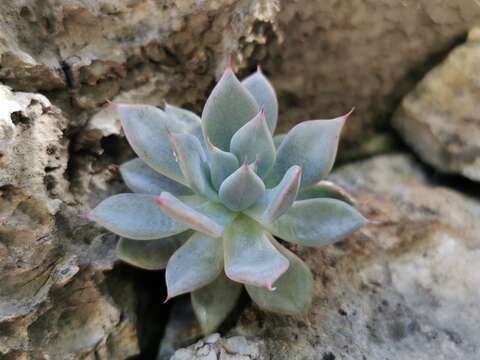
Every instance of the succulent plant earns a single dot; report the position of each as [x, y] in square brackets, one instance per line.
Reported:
[212, 195]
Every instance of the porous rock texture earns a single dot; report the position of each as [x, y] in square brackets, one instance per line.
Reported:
[440, 118]
[324, 57]
[56, 299]
[61, 297]
[403, 287]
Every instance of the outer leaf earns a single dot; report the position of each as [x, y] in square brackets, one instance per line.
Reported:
[264, 93]
[145, 128]
[140, 178]
[192, 161]
[283, 195]
[250, 257]
[241, 189]
[214, 302]
[188, 122]
[293, 294]
[187, 215]
[326, 189]
[228, 108]
[278, 139]
[311, 145]
[253, 142]
[317, 222]
[222, 165]
[197, 263]
[150, 254]
[135, 216]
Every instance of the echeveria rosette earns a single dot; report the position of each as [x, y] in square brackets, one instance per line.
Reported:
[210, 194]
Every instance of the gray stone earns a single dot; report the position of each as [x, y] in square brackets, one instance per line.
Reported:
[440, 118]
[230, 348]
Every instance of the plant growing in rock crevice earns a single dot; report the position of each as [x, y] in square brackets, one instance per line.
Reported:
[210, 194]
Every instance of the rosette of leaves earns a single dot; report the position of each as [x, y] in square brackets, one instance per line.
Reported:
[211, 195]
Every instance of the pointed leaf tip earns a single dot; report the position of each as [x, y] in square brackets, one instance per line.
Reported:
[145, 129]
[254, 142]
[264, 94]
[192, 161]
[294, 289]
[135, 216]
[241, 189]
[280, 198]
[227, 109]
[311, 144]
[222, 165]
[187, 215]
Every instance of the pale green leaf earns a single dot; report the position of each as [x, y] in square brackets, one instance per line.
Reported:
[195, 264]
[264, 94]
[192, 160]
[311, 145]
[281, 197]
[188, 215]
[317, 222]
[135, 216]
[294, 289]
[222, 165]
[150, 254]
[253, 142]
[326, 189]
[250, 257]
[140, 178]
[228, 108]
[146, 127]
[214, 302]
[241, 189]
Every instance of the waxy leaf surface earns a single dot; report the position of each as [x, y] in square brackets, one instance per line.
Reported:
[197, 263]
[214, 302]
[250, 257]
[228, 108]
[135, 216]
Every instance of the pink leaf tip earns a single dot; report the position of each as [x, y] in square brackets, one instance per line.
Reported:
[159, 200]
[85, 215]
[114, 105]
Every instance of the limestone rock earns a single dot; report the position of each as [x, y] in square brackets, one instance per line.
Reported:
[215, 348]
[403, 287]
[440, 119]
[55, 300]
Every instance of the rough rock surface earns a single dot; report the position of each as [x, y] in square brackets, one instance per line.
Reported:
[403, 287]
[324, 57]
[440, 119]
[56, 301]
[214, 347]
